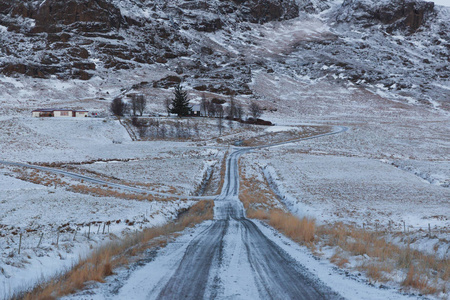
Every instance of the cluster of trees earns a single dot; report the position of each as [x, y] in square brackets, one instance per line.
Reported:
[136, 106]
[208, 108]
[180, 105]
[153, 129]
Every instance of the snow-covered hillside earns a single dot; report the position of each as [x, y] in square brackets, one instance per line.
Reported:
[218, 46]
[378, 68]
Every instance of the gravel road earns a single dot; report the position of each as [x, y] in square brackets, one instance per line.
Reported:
[228, 258]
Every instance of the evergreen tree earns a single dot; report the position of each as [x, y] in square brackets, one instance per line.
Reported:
[180, 104]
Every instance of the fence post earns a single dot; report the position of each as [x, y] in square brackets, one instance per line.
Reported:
[40, 240]
[404, 227]
[429, 229]
[104, 225]
[75, 234]
[89, 232]
[98, 228]
[20, 242]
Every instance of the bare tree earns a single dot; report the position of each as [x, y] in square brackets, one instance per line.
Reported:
[255, 110]
[163, 132]
[134, 104]
[168, 105]
[220, 125]
[118, 107]
[196, 130]
[141, 104]
[220, 113]
[138, 104]
[178, 129]
[188, 129]
[232, 108]
[239, 111]
[212, 110]
[204, 105]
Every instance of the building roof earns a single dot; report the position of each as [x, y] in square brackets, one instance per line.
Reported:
[196, 107]
[57, 109]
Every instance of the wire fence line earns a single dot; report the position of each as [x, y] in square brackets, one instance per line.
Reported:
[21, 239]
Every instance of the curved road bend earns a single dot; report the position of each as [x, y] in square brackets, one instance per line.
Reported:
[230, 258]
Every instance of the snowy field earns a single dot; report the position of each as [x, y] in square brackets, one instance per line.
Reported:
[355, 190]
[392, 165]
[37, 211]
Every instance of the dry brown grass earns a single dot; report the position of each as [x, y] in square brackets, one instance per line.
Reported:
[104, 260]
[255, 194]
[385, 256]
[109, 192]
[300, 230]
[258, 214]
[418, 281]
[426, 272]
[49, 179]
[285, 136]
[223, 169]
[339, 259]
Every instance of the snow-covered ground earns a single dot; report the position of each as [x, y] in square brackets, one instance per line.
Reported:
[36, 210]
[392, 165]
[356, 190]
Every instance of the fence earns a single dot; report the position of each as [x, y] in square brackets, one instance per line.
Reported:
[20, 239]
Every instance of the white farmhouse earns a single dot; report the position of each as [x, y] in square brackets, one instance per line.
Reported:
[57, 112]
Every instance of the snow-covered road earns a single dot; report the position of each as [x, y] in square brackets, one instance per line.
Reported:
[232, 257]
[228, 257]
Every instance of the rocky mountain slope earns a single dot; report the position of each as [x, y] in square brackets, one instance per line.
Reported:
[396, 46]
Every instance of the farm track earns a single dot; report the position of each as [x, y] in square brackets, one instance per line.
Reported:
[231, 244]
[229, 257]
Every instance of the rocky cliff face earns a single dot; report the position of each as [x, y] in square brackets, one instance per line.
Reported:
[404, 15]
[217, 45]
[63, 38]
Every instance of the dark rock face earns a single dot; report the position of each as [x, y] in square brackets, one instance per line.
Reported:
[404, 15]
[87, 15]
[68, 34]
[262, 11]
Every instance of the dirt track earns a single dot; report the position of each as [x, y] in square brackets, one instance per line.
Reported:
[208, 259]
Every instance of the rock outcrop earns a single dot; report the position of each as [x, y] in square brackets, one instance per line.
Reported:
[262, 11]
[403, 15]
[67, 35]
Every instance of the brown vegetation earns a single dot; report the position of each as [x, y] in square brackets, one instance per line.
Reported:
[425, 272]
[223, 169]
[285, 136]
[48, 179]
[104, 260]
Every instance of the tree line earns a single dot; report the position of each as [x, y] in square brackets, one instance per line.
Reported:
[180, 105]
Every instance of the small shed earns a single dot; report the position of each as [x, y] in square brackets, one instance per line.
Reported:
[81, 113]
[196, 110]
